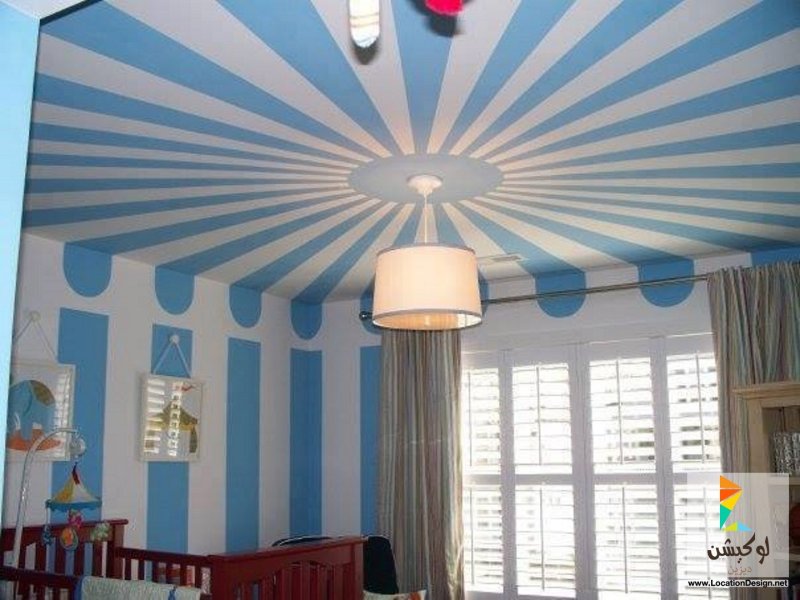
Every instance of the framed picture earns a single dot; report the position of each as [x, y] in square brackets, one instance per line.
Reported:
[40, 399]
[172, 410]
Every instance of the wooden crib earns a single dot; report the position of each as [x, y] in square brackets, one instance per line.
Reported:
[329, 570]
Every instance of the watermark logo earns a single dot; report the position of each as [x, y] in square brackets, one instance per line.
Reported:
[734, 526]
[729, 494]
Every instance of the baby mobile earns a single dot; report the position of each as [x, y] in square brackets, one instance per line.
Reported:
[365, 17]
[72, 498]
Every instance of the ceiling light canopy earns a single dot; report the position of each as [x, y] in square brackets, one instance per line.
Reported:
[426, 286]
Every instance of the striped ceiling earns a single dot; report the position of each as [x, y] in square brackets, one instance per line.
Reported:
[247, 142]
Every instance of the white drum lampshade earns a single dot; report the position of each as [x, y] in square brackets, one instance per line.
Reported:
[426, 287]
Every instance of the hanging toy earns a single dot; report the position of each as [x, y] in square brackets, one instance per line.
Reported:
[47, 536]
[71, 498]
[101, 532]
[448, 8]
[70, 535]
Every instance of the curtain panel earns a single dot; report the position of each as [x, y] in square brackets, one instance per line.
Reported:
[420, 493]
[755, 318]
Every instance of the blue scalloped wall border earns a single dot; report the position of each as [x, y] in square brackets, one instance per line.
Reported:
[87, 271]
[174, 290]
[559, 282]
[306, 319]
[245, 305]
[767, 257]
[673, 293]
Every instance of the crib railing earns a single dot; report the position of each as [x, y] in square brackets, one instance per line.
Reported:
[329, 570]
[191, 570]
[37, 585]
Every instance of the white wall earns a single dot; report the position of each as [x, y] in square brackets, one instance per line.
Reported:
[132, 307]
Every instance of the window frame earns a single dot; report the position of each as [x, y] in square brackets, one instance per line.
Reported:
[578, 356]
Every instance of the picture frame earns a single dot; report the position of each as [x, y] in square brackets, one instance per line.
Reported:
[40, 399]
[171, 418]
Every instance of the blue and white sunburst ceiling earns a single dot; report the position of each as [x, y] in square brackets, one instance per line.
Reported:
[246, 141]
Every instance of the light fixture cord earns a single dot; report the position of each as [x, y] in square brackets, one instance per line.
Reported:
[425, 218]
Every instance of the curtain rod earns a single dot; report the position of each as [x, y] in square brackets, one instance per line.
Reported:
[365, 315]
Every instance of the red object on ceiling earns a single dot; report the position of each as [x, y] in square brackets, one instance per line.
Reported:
[445, 7]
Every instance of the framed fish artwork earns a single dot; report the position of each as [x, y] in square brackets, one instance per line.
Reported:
[172, 409]
[40, 399]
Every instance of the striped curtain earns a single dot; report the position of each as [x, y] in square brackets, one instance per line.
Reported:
[755, 317]
[420, 460]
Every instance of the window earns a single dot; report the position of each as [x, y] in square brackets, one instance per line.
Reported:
[483, 531]
[574, 465]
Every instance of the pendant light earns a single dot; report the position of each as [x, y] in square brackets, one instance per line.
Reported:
[427, 286]
[365, 22]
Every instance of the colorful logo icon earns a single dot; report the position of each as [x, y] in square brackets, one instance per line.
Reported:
[729, 494]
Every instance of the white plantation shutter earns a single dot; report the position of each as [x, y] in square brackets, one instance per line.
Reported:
[544, 509]
[626, 514]
[542, 437]
[694, 412]
[545, 532]
[482, 511]
[574, 468]
[480, 393]
[695, 506]
[626, 538]
[483, 537]
[623, 431]
[694, 435]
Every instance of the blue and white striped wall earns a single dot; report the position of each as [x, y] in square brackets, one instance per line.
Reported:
[112, 318]
[291, 409]
[342, 357]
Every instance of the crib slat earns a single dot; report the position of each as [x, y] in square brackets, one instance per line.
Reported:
[40, 562]
[140, 569]
[322, 583]
[304, 573]
[40, 558]
[338, 583]
[348, 589]
[318, 582]
[313, 578]
[297, 583]
[78, 565]
[61, 555]
[284, 584]
[247, 591]
[197, 577]
[23, 554]
[328, 593]
[97, 559]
